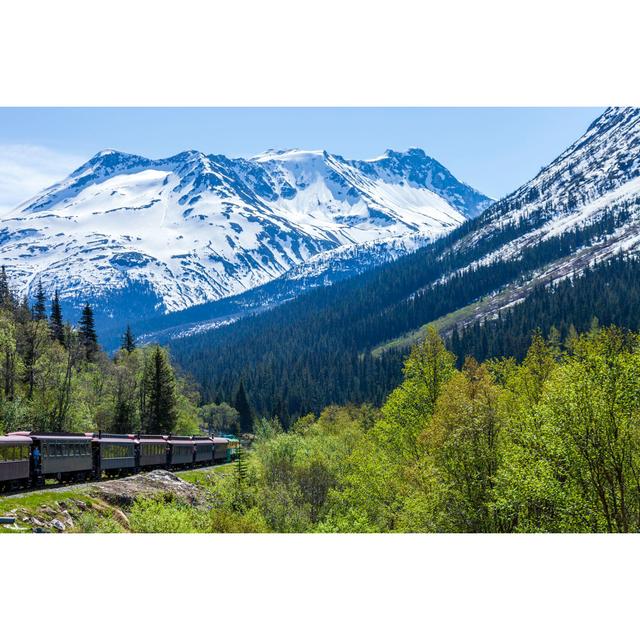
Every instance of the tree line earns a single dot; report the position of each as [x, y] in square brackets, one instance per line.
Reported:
[56, 377]
[546, 445]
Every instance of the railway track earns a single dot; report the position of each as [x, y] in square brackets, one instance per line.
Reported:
[59, 487]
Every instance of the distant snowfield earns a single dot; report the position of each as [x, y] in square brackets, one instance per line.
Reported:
[197, 228]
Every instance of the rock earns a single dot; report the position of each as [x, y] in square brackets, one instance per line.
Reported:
[123, 493]
[82, 506]
[37, 523]
[56, 524]
[47, 511]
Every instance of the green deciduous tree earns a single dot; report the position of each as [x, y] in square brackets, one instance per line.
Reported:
[219, 418]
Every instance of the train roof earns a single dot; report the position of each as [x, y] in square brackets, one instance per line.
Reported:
[217, 440]
[15, 439]
[51, 435]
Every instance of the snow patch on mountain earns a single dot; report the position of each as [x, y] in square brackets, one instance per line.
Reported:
[194, 228]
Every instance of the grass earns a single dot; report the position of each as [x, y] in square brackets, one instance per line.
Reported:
[194, 475]
[32, 501]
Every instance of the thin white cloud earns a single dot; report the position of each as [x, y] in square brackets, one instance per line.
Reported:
[27, 169]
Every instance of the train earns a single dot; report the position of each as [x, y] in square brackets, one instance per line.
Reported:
[28, 459]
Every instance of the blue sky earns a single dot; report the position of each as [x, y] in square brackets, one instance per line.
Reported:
[493, 149]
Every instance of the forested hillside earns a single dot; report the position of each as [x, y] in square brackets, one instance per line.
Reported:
[316, 350]
[608, 293]
[580, 210]
[55, 377]
[548, 445]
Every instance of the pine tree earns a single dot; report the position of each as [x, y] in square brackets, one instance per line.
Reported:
[128, 340]
[39, 310]
[5, 293]
[240, 498]
[243, 407]
[159, 395]
[56, 323]
[87, 331]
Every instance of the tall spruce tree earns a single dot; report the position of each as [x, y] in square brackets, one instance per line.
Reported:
[159, 395]
[5, 293]
[39, 310]
[243, 407]
[56, 323]
[87, 332]
[128, 340]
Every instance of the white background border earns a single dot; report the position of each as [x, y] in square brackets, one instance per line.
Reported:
[489, 52]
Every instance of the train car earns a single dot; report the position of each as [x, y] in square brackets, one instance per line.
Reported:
[63, 456]
[181, 451]
[233, 448]
[203, 451]
[113, 454]
[220, 446]
[15, 466]
[154, 452]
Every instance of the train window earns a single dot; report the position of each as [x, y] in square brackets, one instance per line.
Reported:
[3, 454]
[117, 451]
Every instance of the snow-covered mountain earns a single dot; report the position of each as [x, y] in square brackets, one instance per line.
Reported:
[579, 210]
[194, 228]
[599, 172]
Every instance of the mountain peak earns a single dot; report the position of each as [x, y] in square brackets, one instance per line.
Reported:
[193, 228]
[110, 161]
[411, 152]
[288, 154]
